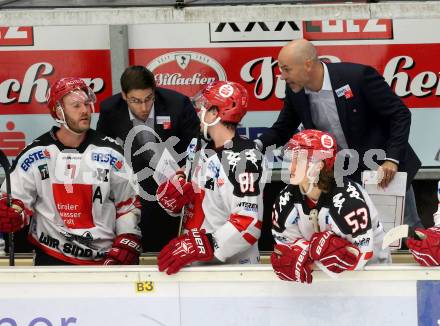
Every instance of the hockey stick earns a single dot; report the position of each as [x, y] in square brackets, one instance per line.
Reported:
[397, 233]
[192, 157]
[314, 219]
[5, 164]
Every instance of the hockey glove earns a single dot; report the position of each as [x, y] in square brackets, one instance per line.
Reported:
[426, 251]
[335, 253]
[291, 262]
[125, 250]
[175, 193]
[12, 218]
[191, 247]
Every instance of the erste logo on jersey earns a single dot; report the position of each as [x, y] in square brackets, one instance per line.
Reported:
[34, 157]
[108, 158]
[186, 71]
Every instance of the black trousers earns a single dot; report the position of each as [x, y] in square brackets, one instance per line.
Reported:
[157, 227]
[43, 259]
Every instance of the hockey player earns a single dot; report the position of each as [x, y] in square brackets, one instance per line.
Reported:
[74, 186]
[425, 247]
[223, 203]
[315, 220]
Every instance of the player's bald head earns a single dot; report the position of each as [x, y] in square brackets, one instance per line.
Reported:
[299, 51]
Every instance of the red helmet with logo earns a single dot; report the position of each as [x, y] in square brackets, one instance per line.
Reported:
[229, 98]
[63, 87]
[320, 146]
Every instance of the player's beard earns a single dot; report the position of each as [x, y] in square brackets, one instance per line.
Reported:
[81, 125]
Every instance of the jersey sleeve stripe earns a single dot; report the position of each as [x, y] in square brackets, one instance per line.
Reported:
[137, 202]
[250, 238]
[127, 202]
[368, 255]
[259, 225]
[240, 222]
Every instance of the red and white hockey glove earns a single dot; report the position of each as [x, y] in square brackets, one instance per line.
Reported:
[335, 253]
[12, 218]
[291, 262]
[426, 251]
[125, 250]
[175, 193]
[191, 247]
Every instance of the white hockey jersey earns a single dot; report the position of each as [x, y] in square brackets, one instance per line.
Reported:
[347, 211]
[229, 205]
[80, 199]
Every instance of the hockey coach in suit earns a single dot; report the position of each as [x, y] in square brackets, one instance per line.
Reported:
[168, 113]
[351, 101]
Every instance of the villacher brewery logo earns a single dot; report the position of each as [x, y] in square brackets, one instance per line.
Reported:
[186, 71]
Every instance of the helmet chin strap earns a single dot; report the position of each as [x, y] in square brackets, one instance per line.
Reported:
[309, 189]
[206, 125]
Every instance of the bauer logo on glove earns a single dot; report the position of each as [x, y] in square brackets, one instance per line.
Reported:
[191, 247]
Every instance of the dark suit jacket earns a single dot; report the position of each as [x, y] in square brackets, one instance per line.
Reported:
[373, 118]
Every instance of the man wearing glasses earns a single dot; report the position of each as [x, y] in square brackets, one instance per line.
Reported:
[161, 114]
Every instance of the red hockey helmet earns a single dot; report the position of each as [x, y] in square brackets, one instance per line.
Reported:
[320, 146]
[229, 98]
[63, 87]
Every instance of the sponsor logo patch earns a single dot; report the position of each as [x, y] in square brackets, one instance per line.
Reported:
[186, 71]
[356, 29]
[34, 157]
[74, 204]
[44, 171]
[254, 31]
[108, 158]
